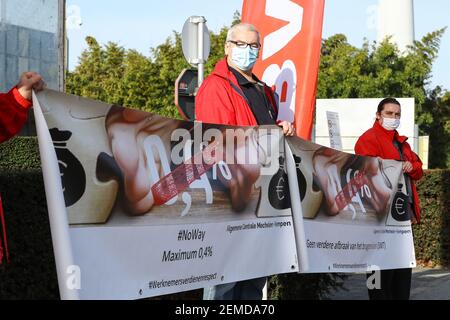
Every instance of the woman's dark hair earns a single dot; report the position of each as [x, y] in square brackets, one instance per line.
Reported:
[386, 101]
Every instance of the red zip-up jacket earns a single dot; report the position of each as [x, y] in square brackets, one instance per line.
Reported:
[220, 100]
[379, 142]
[13, 113]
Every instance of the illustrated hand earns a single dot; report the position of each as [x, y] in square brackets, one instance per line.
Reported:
[128, 130]
[379, 187]
[328, 165]
[245, 170]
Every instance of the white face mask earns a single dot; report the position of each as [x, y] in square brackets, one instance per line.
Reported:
[390, 124]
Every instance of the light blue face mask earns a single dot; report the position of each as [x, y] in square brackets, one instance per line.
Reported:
[244, 58]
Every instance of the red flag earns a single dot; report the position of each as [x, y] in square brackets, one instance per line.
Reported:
[291, 35]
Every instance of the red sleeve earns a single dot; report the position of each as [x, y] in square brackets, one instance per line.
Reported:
[13, 113]
[365, 146]
[213, 103]
[417, 171]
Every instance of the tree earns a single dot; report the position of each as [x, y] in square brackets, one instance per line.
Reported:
[98, 73]
[126, 77]
[435, 119]
[168, 62]
[378, 70]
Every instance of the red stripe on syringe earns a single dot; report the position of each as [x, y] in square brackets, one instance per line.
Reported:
[344, 197]
[182, 176]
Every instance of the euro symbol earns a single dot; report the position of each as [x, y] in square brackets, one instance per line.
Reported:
[280, 189]
[400, 206]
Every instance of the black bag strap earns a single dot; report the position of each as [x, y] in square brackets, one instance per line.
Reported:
[398, 146]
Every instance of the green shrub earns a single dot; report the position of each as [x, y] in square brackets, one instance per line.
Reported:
[312, 286]
[31, 274]
[20, 153]
[432, 236]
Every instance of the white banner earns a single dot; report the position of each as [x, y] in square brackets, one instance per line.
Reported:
[159, 206]
[355, 211]
[143, 223]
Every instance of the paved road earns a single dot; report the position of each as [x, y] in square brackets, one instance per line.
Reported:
[427, 284]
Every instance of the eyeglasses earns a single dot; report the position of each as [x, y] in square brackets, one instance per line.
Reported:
[243, 45]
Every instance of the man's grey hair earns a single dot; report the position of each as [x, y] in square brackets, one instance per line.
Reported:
[241, 27]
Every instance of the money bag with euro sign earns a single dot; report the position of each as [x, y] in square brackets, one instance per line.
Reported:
[73, 176]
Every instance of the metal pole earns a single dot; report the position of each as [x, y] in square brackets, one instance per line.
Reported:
[201, 58]
[297, 212]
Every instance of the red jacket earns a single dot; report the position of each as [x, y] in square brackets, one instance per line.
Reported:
[13, 113]
[379, 142]
[220, 100]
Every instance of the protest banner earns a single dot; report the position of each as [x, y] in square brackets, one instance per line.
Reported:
[158, 206]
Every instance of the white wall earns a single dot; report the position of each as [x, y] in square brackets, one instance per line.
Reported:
[39, 15]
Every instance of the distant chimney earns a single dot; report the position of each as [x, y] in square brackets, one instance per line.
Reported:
[396, 19]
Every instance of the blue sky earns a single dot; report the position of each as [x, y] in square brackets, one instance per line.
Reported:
[142, 24]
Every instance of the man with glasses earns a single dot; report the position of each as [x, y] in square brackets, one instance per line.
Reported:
[233, 95]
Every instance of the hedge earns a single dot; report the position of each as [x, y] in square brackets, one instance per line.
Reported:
[432, 236]
[31, 273]
[20, 154]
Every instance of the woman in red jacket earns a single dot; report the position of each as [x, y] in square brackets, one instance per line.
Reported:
[383, 141]
[15, 104]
